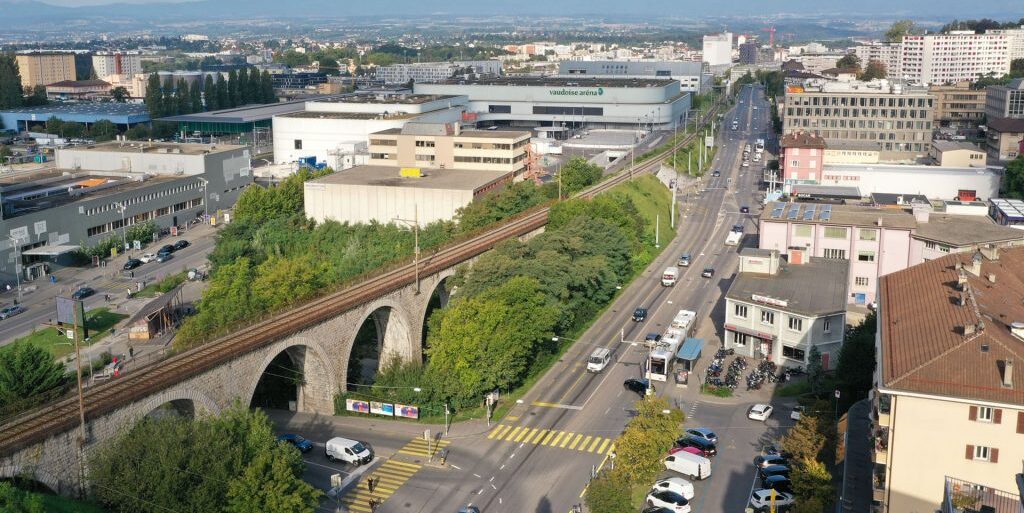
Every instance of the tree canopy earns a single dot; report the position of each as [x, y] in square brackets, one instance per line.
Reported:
[899, 29]
[1013, 182]
[27, 372]
[849, 60]
[874, 69]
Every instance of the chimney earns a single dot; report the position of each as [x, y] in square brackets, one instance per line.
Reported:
[975, 265]
[879, 222]
[991, 277]
[961, 278]
[968, 330]
[1008, 373]
[922, 212]
[990, 251]
[1017, 329]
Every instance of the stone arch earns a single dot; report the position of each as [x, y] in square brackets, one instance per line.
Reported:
[439, 282]
[33, 472]
[319, 384]
[189, 399]
[395, 334]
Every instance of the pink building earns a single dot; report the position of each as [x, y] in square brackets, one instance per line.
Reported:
[803, 156]
[877, 241]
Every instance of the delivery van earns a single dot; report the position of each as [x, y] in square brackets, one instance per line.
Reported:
[688, 464]
[349, 451]
[598, 359]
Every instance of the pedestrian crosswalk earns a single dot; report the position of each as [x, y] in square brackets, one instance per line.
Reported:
[420, 447]
[552, 438]
[386, 480]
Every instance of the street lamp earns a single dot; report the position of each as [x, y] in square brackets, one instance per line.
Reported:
[124, 227]
[206, 202]
[17, 262]
[415, 223]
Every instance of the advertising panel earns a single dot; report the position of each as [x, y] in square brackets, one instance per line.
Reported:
[407, 411]
[382, 408]
[357, 406]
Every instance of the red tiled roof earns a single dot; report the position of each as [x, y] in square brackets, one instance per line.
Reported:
[803, 140]
[924, 346]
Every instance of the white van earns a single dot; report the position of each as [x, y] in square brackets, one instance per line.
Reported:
[689, 464]
[599, 359]
[349, 451]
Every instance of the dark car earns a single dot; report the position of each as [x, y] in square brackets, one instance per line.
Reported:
[163, 257]
[167, 249]
[656, 509]
[181, 244]
[709, 272]
[638, 386]
[11, 311]
[639, 314]
[738, 228]
[780, 483]
[744, 209]
[768, 460]
[775, 450]
[300, 443]
[469, 509]
[705, 446]
[773, 470]
[82, 293]
[653, 338]
[132, 263]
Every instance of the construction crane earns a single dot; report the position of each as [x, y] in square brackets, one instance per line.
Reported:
[771, 35]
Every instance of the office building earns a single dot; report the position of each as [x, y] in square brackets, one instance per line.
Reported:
[1004, 140]
[748, 52]
[116, 63]
[693, 77]
[630, 104]
[436, 71]
[958, 106]
[446, 146]
[876, 241]
[384, 194]
[949, 385]
[956, 154]
[1005, 101]
[898, 118]
[95, 191]
[44, 68]
[335, 130]
[781, 307]
[717, 49]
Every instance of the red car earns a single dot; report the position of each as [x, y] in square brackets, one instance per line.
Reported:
[691, 450]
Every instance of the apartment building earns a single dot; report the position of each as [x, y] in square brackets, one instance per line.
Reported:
[960, 55]
[948, 404]
[44, 68]
[803, 157]
[875, 242]
[958, 106]
[446, 146]
[116, 63]
[1015, 38]
[886, 53]
[898, 118]
[717, 49]
[781, 307]
[435, 71]
[1005, 138]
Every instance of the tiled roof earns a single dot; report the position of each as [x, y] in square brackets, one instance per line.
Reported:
[1007, 125]
[925, 347]
[803, 140]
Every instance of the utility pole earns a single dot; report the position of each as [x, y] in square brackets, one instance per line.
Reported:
[124, 227]
[79, 328]
[415, 224]
[657, 225]
[17, 262]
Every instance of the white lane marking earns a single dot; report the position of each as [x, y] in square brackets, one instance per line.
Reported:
[456, 467]
[492, 486]
[478, 476]
[502, 467]
[491, 480]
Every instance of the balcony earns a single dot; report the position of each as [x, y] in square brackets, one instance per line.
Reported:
[880, 446]
[881, 410]
[966, 497]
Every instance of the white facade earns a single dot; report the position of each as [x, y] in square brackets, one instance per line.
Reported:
[886, 53]
[931, 181]
[960, 55]
[1015, 39]
[116, 63]
[691, 75]
[717, 49]
[433, 71]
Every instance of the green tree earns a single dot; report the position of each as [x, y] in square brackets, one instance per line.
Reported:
[154, 98]
[609, 493]
[182, 100]
[243, 86]
[36, 97]
[856, 367]
[10, 82]
[233, 99]
[272, 482]
[103, 130]
[13, 500]
[500, 205]
[874, 69]
[812, 486]
[27, 372]
[815, 371]
[195, 95]
[292, 59]
[5, 152]
[1013, 181]
[578, 174]
[804, 440]
[849, 60]
[227, 300]
[649, 435]
[210, 94]
[223, 95]
[119, 94]
[138, 132]
[267, 88]
[899, 29]
[55, 126]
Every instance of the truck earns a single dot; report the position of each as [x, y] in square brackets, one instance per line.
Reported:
[734, 238]
[670, 276]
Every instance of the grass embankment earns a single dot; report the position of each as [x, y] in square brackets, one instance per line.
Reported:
[653, 201]
[163, 286]
[58, 504]
[98, 322]
[716, 391]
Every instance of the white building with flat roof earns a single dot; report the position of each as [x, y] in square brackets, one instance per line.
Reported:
[957, 56]
[116, 63]
[435, 71]
[693, 76]
[933, 182]
[717, 49]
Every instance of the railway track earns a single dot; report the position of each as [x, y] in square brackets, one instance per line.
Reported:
[62, 416]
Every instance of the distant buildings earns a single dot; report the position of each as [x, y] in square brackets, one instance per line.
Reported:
[77, 90]
[125, 115]
[958, 105]
[956, 154]
[781, 307]
[717, 49]
[749, 52]
[436, 71]
[44, 68]
[1004, 109]
[947, 58]
[693, 76]
[106, 64]
[948, 402]
[1005, 101]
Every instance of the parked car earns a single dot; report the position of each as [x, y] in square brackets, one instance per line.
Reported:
[708, 272]
[469, 509]
[655, 509]
[760, 412]
[716, 173]
[675, 484]
[709, 449]
[797, 412]
[300, 443]
[11, 311]
[697, 467]
[761, 500]
[775, 450]
[181, 244]
[167, 248]
[163, 257]
[738, 228]
[132, 263]
[639, 314]
[704, 433]
[746, 163]
[147, 258]
[744, 209]
[778, 483]
[668, 499]
[768, 460]
[638, 386]
[691, 450]
[773, 470]
[82, 293]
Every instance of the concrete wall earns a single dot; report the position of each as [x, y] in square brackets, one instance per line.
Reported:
[366, 203]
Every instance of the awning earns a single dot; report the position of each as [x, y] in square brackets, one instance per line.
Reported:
[51, 250]
[748, 331]
[691, 349]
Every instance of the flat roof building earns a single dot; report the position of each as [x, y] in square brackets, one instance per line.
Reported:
[562, 101]
[693, 77]
[77, 90]
[447, 146]
[123, 114]
[781, 307]
[717, 49]
[45, 68]
[402, 73]
[382, 194]
[959, 154]
[116, 63]
[931, 181]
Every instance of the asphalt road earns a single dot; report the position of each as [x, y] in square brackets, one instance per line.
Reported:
[106, 280]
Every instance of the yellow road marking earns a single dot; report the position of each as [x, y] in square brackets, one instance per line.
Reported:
[546, 405]
[575, 441]
[550, 435]
[604, 445]
[558, 437]
[503, 429]
[593, 446]
[511, 418]
[526, 440]
[536, 440]
[521, 434]
[566, 440]
[513, 433]
[583, 444]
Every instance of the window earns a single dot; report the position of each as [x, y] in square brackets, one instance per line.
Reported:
[861, 281]
[298, 144]
[796, 324]
[768, 317]
[835, 253]
[835, 232]
[793, 353]
[794, 163]
[802, 230]
[499, 109]
[984, 414]
[741, 311]
[740, 339]
[868, 234]
[982, 453]
[827, 325]
[931, 245]
[866, 256]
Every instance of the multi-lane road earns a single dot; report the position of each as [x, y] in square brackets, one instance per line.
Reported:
[539, 458]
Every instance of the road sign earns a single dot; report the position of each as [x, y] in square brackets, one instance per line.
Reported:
[137, 244]
[837, 393]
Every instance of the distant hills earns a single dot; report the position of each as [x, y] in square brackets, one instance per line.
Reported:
[25, 13]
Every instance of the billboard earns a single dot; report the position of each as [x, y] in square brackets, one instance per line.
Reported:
[407, 411]
[357, 406]
[66, 310]
[382, 408]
